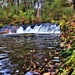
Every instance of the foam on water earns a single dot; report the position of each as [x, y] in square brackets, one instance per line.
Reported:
[42, 28]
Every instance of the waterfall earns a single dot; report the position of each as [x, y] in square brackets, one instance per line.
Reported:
[42, 28]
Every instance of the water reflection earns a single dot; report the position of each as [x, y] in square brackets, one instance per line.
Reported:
[18, 51]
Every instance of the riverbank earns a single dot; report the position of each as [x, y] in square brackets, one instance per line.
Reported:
[68, 52]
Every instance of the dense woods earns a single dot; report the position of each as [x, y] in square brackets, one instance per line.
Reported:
[35, 11]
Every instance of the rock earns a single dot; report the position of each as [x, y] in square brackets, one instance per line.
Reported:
[56, 60]
[56, 57]
[17, 70]
[5, 31]
[52, 73]
[29, 73]
[48, 73]
[73, 23]
[2, 56]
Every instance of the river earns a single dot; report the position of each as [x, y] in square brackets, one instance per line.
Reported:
[16, 51]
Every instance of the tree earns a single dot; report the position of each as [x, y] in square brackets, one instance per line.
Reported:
[16, 6]
[73, 4]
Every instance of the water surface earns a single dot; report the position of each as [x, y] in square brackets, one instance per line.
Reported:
[16, 51]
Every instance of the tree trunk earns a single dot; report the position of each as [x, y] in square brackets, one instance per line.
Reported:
[32, 3]
[73, 4]
[39, 9]
[24, 4]
[16, 6]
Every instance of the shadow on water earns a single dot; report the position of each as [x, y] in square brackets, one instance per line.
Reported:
[17, 51]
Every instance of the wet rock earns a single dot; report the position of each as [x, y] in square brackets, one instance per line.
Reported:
[2, 56]
[50, 47]
[17, 70]
[29, 73]
[48, 73]
[56, 61]
[56, 57]
[5, 31]
[3, 47]
[53, 73]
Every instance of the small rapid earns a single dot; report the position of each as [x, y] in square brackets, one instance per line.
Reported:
[44, 28]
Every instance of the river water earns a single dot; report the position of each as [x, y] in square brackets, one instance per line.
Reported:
[16, 51]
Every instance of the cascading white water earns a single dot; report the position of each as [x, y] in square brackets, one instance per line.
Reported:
[34, 30]
[20, 30]
[43, 28]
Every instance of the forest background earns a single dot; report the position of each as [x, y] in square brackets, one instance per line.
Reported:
[62, 12]
[36, 11]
